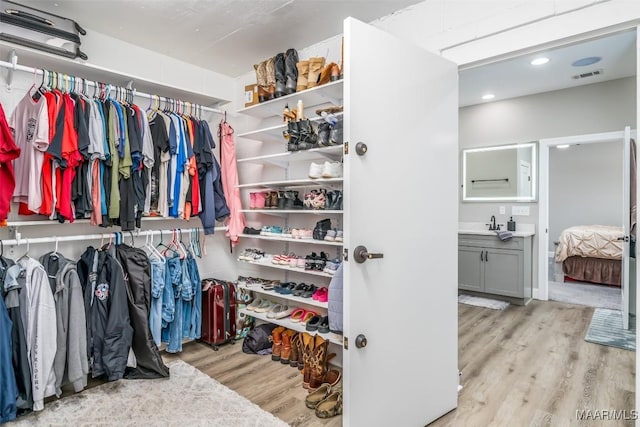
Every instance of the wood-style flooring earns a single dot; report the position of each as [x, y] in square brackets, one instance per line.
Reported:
[524, 366]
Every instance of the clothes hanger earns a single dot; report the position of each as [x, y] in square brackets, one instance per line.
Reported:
[55, 250]
[26, 254]
[133, 242]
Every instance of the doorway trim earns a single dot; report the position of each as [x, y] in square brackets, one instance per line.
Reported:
[543, 196]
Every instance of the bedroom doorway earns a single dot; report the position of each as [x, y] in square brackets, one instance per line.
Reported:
[588, 242]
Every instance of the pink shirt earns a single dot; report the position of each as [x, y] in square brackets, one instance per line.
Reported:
[30, 123]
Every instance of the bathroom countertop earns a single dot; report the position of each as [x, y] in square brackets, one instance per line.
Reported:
[480, 229]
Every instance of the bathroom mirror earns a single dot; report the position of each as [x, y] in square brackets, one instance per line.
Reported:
[500, 173]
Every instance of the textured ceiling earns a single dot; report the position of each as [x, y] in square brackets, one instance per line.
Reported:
[227, 36]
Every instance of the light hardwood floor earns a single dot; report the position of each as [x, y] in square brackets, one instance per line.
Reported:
[524, 366]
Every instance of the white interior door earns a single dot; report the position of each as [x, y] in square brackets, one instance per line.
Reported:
[524, 179]
[401, 200]
[626, 223]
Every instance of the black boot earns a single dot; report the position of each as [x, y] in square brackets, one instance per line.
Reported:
[280, 75]
[308, 138]
[292, 134]
[291, 69]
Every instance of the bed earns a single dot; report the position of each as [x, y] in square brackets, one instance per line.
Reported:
[591, 253]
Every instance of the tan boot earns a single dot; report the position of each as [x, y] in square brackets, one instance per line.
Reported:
[318, 363]
[295, 351]
[285, 356]
[315, 68]
[261, 78]
[271, 77]
[303, 74]
[327, 72]
[308, 345]
[276, 337]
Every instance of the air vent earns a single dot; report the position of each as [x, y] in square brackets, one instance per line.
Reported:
[588, 74]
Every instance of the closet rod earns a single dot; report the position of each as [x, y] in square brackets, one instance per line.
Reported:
[125, 234]
[38, 71]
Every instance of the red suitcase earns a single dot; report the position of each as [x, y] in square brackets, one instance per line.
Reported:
[218, 312]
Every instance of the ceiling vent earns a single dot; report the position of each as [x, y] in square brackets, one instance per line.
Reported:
[593, 73]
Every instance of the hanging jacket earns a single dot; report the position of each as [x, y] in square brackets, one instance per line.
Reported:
[137, 268]
[109, 331]
[336, 292]
[8, 152]
[213, 204]
[20, 356]
[229, 172]
[8, 387]
[39, 318]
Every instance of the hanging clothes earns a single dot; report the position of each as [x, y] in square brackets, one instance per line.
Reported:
[137, 268]
[8, 386]
[9, 151]
[109, 331]
[214, 204]
[236, 222]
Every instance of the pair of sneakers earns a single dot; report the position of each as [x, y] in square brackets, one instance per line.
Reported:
[325, 170]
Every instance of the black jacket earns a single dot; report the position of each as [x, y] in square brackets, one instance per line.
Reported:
[109, 331]
[137, 269]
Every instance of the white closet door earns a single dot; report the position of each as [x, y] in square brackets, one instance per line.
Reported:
[626, 223]
[401, 200]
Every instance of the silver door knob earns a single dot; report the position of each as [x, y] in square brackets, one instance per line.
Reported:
[361, 341]
[361, 254]
[361, 148]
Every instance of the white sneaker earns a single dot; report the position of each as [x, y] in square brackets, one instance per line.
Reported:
[315, 170]
[332, 170]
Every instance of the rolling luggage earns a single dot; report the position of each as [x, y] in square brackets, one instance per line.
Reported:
[40, 30]
[218, 312]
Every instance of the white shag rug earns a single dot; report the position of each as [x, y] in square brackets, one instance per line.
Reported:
[482, 302]
[188, 398]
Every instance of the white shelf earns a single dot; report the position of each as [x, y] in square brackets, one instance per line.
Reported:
[333, 152]
[288, 239]
[292, 183]
[286, 212]
[288, 297]
[296, 326]
[269, 264]
[274, 133]
[326, 93]
[49, 222]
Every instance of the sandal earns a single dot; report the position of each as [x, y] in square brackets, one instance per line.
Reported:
[330, 406]
[309, 293]
[308, 316]
[298, 315]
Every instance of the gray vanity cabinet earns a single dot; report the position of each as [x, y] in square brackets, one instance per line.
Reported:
[489, 265]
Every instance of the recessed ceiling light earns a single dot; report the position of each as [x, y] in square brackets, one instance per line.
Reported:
[562, 146]
[540, 61]
[197, 30]
[583, 62]
[488, 96]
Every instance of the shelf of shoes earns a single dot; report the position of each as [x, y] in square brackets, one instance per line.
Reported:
[286, 212]
[333, 152]
[288, 297]
[293, 183]
[319, 95]
[296, 326]
[266, 262]
[292, 240]
[274, 133]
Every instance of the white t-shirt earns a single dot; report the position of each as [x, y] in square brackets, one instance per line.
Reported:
[30, 123]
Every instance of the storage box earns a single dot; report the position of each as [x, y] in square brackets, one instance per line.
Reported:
[250, 95]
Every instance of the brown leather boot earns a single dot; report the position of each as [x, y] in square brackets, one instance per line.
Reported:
[285, 356]
[261, 79]
[295, 351]
[318, 363]
[327, 71]
[308, 344]
[315, 68]
[271, 77]
[303, 74]
[276, 337]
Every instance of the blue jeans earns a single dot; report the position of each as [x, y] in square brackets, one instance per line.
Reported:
[174, 344]
[157, 289]
[196, 313]
[172, 275]
[187, 298]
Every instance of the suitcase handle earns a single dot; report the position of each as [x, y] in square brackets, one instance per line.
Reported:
[26, 15]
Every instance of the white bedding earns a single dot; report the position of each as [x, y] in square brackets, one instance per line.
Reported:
[594, 241]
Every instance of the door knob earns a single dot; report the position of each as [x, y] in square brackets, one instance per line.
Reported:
[361, 341]
[360, 254]
[361, 148]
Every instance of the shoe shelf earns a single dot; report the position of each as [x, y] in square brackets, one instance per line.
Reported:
[288, 239]
[330, 92]
[286, 212]
[293, 183]
[296, 326]
[274, 133]
[269, 264]
[282, 160]
[288, 297]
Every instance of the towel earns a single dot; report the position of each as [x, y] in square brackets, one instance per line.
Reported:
[504, 235]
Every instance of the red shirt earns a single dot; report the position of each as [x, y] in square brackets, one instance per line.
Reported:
[8, 152]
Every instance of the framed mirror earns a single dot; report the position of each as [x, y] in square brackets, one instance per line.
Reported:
[500, 173]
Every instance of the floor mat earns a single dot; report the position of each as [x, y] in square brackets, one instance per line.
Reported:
[606, 329]
[482, 302]
[586, 294]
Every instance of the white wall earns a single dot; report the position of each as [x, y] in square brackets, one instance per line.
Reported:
[585, 187]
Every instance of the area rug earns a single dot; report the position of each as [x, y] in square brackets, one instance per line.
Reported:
[586, 294]
[187, 398]
[482, 302]
[606, 329]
